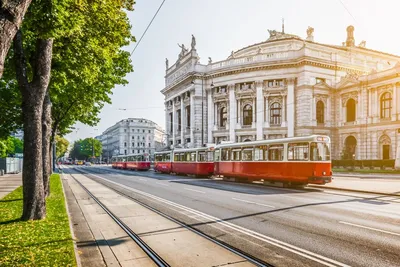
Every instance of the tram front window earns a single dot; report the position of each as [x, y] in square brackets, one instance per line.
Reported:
[320, 151]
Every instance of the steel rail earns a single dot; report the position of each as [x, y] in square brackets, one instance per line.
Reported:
[232, 249]
[151, 253]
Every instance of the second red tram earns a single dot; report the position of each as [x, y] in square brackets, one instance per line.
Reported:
[191, 161]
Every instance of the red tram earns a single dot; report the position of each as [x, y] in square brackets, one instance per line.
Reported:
[192, 161]
[139, 162]
[296, 161]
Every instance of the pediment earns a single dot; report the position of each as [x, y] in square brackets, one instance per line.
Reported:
[348, 81]
[322, 85]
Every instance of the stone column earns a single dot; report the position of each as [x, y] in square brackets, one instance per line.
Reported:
[284, 111]
[290, 107]
[376, 106]
[211, 116]
[167, 123]
[182, 122]
[397, 87]
[192, 119]
[239, 112]
[328, 119]
[394, 98]
[359, 108]
[397, 152]
[369, 105]
[173, 123]
[267, 111]
[313, 111]
[260, 108]
[253, 119]
[232, 113]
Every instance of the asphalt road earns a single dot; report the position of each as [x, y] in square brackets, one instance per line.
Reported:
[284, 227]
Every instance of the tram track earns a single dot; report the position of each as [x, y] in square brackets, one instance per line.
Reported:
[152, 254]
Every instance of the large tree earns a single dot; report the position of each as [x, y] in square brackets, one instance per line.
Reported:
[88, 61]
[11, 14]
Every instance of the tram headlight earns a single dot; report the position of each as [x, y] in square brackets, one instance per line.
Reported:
[323, 173]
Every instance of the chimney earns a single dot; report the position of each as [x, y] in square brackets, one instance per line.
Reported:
[350, 36]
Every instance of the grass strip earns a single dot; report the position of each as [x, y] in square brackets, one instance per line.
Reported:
[45, 242]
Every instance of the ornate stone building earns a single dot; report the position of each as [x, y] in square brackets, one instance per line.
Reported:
[287, 86]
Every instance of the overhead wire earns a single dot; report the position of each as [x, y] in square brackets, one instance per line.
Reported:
[148, 26]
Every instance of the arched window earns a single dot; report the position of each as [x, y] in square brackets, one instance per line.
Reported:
[350, 147]
[351, 110]
[386, 105]
[320, 112]
[247, 114]
[222, 117]
[275, 114]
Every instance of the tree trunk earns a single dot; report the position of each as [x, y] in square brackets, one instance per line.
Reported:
[33, 94]
[46, 144]
[11, 15]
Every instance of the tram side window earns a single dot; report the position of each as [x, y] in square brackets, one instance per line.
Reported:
[193, 156]
[275, 153]
[202, 156]
[319, 151]
[210, 156]
[236, 155]
[167, 157]
[182, 157]
[260, 153]
[226, 154]
[187, 156]
[217, 155]
[298, 151]
[159, 157]
[176, 157]
[247, 154]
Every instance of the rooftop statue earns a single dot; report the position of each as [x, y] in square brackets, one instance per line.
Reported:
[183, 50]
[166, 63]
[209, 60]
[193, 44]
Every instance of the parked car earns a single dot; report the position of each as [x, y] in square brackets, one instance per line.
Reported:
[88, 164]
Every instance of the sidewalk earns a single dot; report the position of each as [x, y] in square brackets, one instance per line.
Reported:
[377, 176]
[363, 184]
[9, 183]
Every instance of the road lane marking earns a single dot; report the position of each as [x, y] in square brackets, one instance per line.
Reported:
[286, 246]
[162, 184]
[142, 179]
[370, 228]
[251, 202]
[195, 190]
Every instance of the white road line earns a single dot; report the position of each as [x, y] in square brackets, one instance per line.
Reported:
[195, 190]
[162, 184]
[370, 228]
[255, 203]
[142, 179]
[286, 246]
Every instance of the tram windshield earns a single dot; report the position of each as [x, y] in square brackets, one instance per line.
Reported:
[320, 151]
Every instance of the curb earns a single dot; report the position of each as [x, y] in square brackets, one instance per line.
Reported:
[77, 258]
[355, 190]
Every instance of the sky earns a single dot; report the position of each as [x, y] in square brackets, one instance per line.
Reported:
[221, 26]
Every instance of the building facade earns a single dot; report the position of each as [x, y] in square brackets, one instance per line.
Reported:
[283, 87]
[132, 136]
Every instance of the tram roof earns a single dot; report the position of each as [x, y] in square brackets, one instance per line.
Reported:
[308, 138]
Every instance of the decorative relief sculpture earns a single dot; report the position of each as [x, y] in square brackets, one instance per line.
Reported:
[346, 97]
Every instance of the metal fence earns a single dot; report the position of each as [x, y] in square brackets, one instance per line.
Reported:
[11, 165]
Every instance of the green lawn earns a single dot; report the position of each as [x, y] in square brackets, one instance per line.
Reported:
[36, 243]
[365, 171]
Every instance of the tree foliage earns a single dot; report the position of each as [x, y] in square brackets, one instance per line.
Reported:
[84, 149]
[10, 146]
[3, 149]
[61, 146]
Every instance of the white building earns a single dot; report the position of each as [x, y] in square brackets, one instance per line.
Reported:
[287, 86]
[132, 136]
